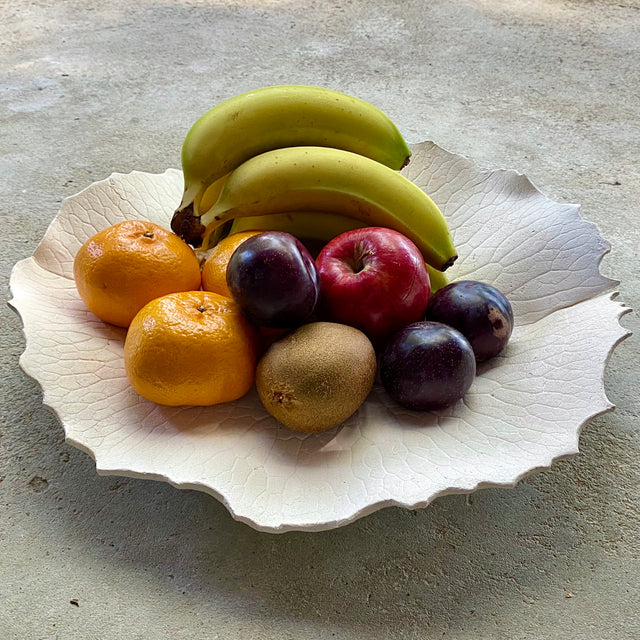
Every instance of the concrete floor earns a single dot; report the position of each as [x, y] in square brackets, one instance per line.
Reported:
[548, 87]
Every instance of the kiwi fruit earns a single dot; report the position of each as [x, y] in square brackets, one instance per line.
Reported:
[314, 378]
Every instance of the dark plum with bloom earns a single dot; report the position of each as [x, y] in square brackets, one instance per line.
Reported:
[427, 365]
[479, 311]
[273, 279]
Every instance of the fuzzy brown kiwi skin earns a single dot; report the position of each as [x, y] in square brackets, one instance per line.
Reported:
[314, 378]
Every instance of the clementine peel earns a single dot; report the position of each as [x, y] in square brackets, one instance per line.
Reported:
[121, 268]
[191, 348]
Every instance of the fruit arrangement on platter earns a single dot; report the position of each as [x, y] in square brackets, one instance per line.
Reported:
[525, 406]
[307, 329]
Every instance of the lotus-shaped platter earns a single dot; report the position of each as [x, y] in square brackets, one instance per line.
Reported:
[524, 410]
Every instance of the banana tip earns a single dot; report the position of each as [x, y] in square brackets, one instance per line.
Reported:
[449, 262]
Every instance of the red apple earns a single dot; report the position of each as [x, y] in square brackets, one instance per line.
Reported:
[373, 279]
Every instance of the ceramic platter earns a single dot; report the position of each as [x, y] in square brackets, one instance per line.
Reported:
[524, 410]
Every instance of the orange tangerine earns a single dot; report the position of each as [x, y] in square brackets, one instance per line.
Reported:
[123, 267]
[191, 348]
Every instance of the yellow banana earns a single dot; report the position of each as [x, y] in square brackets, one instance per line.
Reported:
[335, 181]
[272, 118]
[211, 193]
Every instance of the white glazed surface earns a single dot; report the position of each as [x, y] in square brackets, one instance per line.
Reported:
[524, 410]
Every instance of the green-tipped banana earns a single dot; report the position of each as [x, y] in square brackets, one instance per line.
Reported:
[315, 229]
[311, 225]
[335, 181]
[273, 118]
[437, 279]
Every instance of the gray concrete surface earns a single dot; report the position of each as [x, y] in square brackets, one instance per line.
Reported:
[548, 87]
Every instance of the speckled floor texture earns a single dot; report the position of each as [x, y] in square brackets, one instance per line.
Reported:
[549, 88]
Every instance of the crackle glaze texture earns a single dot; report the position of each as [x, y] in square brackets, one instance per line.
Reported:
[525, 408]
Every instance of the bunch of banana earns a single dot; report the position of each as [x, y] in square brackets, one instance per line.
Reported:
[291, 149]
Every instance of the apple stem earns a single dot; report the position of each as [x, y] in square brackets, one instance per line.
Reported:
[360, 253]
